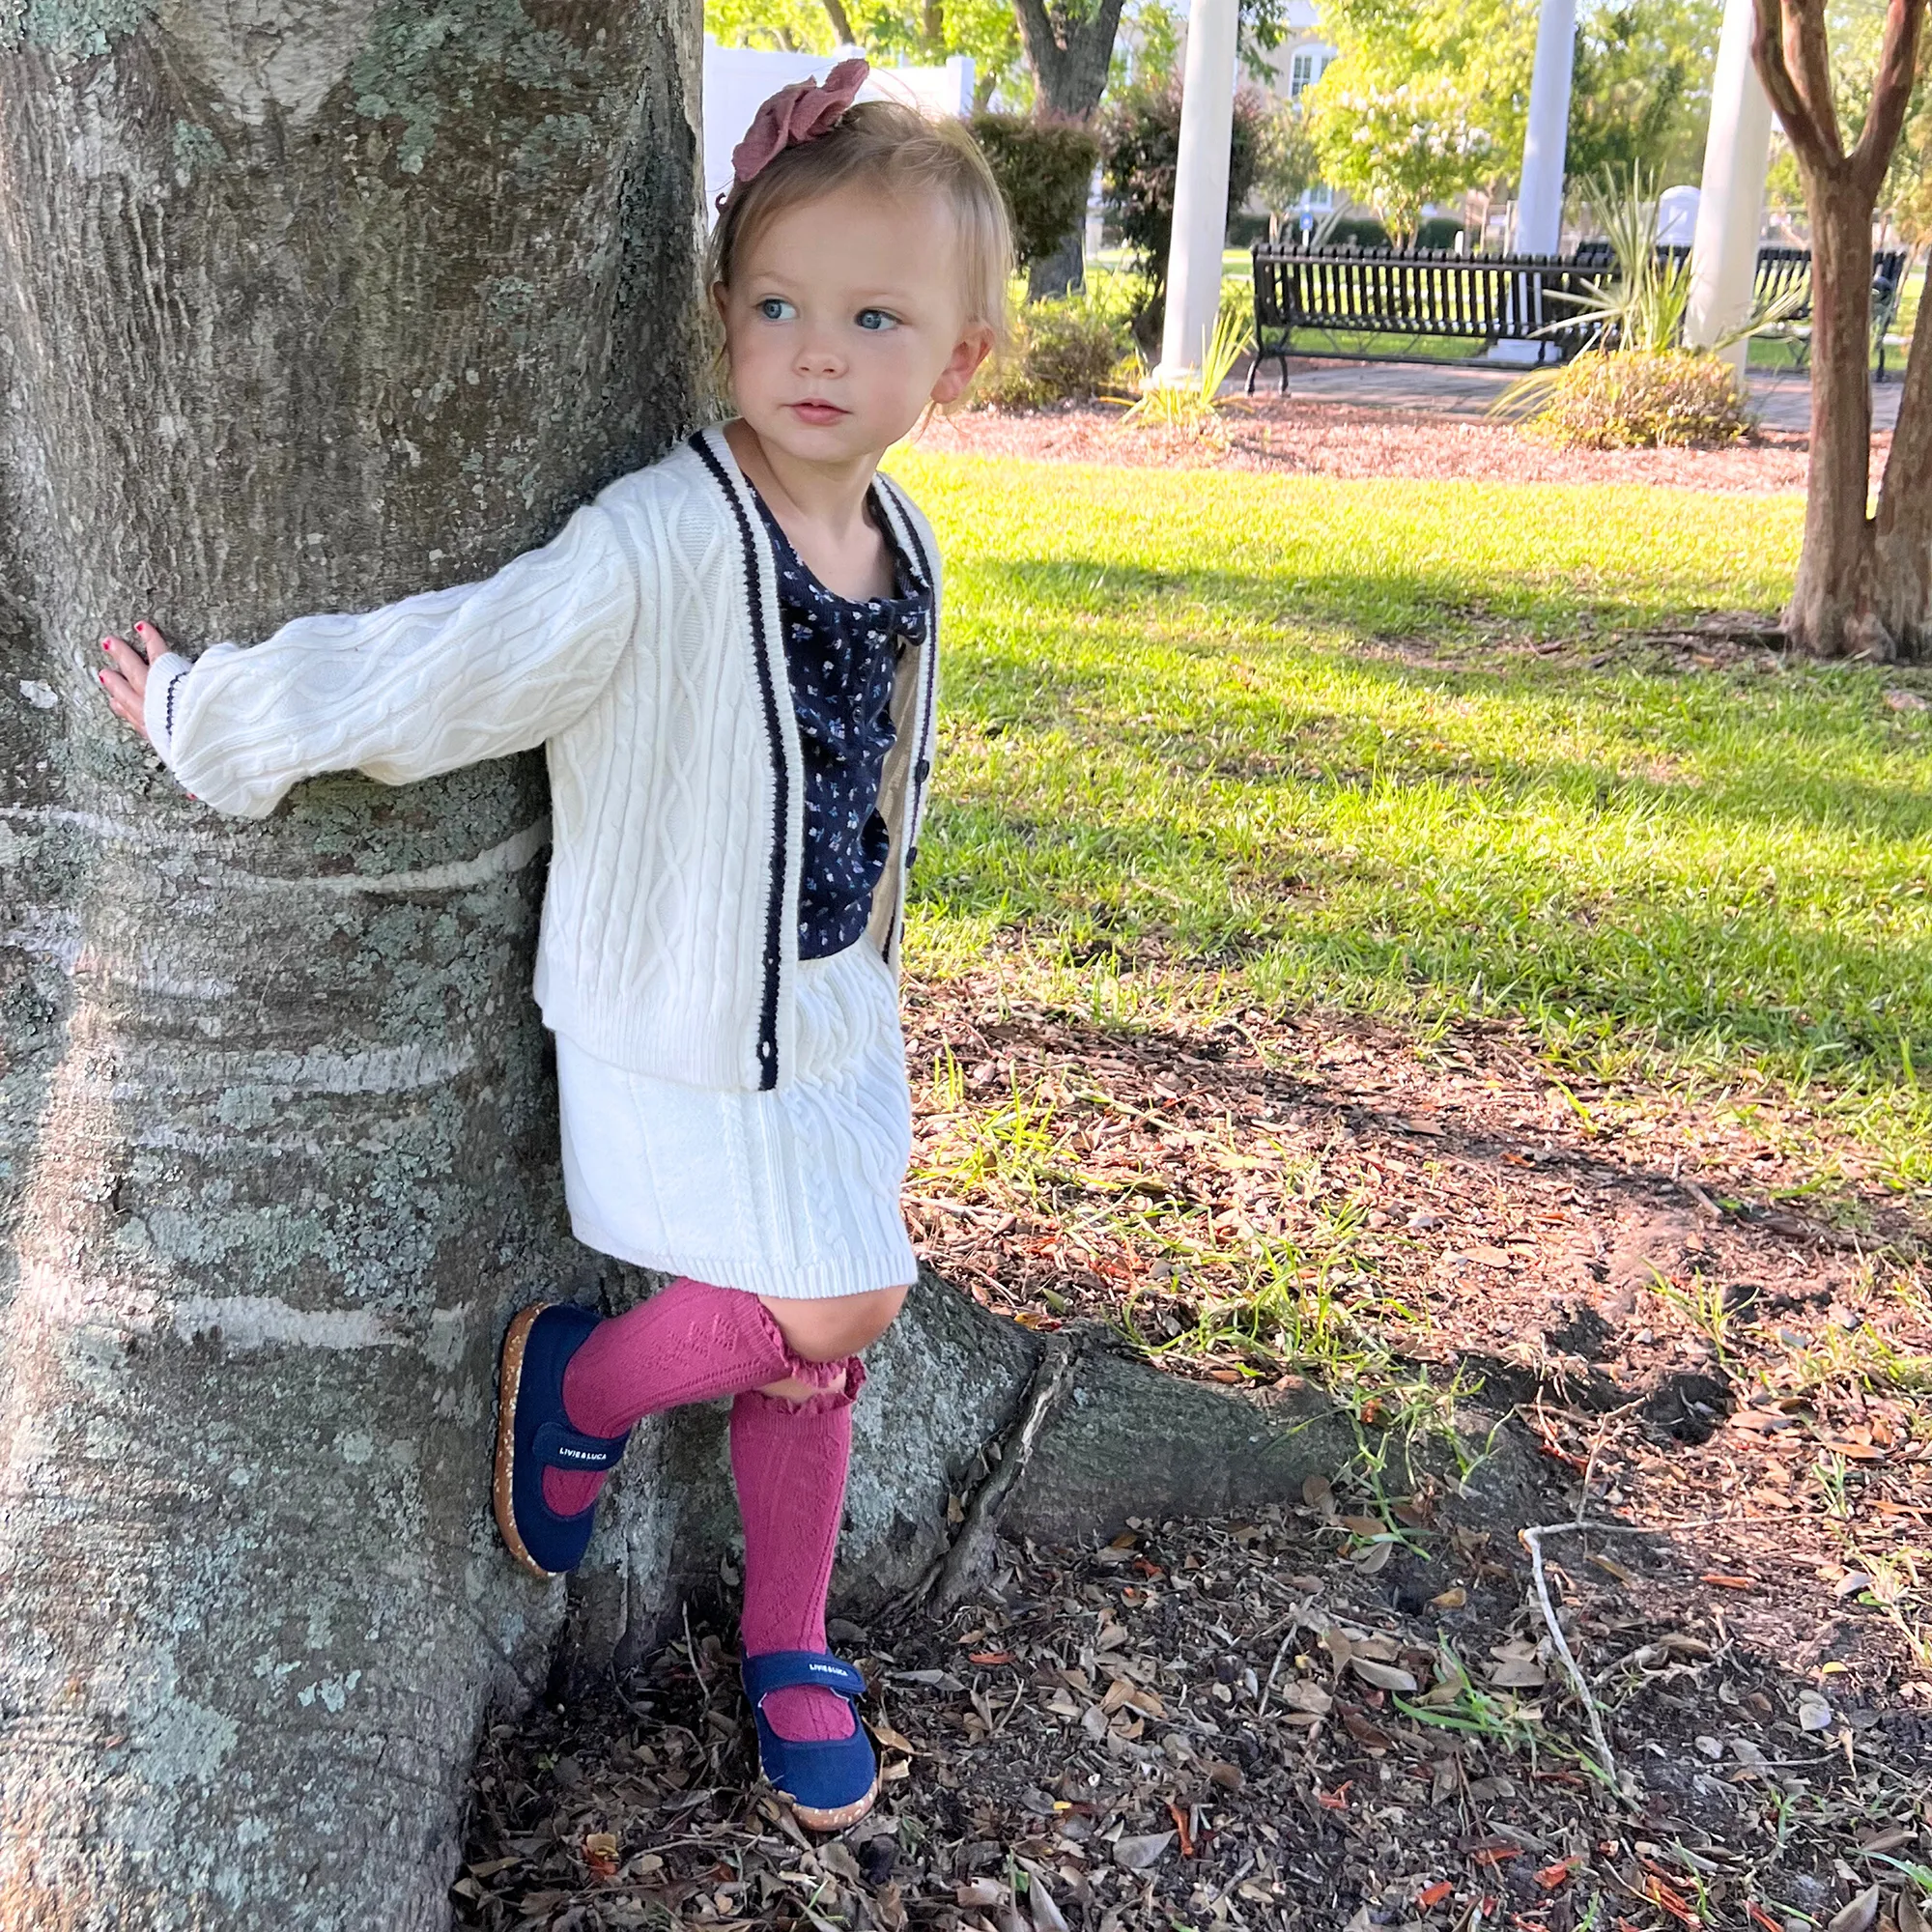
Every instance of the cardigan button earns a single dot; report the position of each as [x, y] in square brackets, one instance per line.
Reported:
[923, 770]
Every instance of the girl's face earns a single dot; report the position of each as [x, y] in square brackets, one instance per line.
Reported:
[843, 319]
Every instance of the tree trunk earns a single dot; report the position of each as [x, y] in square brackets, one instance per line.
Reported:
[1071, 49]
[1861, 586]
[1831, 612]
[308, 309]
[309, 303]
[1902, 563]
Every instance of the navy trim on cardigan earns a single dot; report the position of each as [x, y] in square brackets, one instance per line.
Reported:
[922, 756]
[768, 1006]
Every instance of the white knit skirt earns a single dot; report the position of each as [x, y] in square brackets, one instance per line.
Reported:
[792, 1193]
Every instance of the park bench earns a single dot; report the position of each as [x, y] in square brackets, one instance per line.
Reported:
[1487, 298]
[1414, 293]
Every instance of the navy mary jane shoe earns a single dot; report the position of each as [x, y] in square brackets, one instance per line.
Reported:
[829, 1783]
[533, 1434]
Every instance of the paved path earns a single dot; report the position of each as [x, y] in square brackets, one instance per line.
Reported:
[1469, 389]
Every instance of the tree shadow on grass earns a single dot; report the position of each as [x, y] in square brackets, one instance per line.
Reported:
[1784, 776]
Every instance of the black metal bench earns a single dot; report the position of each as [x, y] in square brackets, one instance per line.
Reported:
[1782, 272]
[1416, 292]
[1489, 299]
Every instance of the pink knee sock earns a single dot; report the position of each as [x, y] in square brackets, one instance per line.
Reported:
[689, 1343]
[788, 1460]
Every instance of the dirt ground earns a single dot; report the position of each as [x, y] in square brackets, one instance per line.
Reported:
[1708, 1323]
[1291, 436]
[1352, 1712]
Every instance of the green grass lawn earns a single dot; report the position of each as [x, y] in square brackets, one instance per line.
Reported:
[1227, 737]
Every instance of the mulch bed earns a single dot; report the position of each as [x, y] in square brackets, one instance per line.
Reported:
[1350, 1711]
[1289, 436]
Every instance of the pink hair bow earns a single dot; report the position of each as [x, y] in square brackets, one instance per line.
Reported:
[795, 114]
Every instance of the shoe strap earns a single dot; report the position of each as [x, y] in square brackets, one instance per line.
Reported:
[558, 1446]
[798, 1670]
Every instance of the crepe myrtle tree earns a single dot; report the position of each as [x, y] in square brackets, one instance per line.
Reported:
[308, 307]
[1864, 574]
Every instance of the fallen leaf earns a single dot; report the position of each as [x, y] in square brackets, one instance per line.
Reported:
[1046, 1915]
[1718, 1580]
[1362, 1525]
[1553, 1876]
[1336, 1799]
[1888, 1838]
[1432, 1896]
[1180, 1818]
[1858, 1915]
[1814, 1714]
[1519, 1673]
[981, 1891]
[1384, 1676]
[1374, 1558]
[1450, 1600]
[1316, 1491]
[1489, 1257]
[1139, 1854]
[892, 1740]
[1911, 1916]
[600, 1853]
[989, 1657]
[1906, 700]
[1227, 1777]
[1310, 1698]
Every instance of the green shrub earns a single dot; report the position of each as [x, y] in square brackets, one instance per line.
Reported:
[1062, 351]
[1636, 398]
[1043, 168]
[1140, 152]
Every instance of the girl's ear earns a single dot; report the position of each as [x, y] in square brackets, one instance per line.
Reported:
[721, 297]
[963, 364]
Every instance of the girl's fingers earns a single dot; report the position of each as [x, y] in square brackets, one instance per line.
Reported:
[149, 640]
[124, 678]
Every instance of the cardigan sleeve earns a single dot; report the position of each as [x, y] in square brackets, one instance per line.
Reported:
[439, 680]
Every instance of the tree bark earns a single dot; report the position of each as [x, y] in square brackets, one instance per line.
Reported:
[1832, 611]
[1902, 561]
[1071, 48]
[308, 304]
[842, 22]
[1864, 583]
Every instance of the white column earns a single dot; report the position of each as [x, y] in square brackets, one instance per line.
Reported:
[1539, 207]
[1737, 156]
[1200, 191]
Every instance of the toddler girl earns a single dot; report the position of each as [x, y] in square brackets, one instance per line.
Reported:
[729, 660]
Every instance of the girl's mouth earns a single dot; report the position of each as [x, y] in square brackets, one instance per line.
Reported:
[818, 414]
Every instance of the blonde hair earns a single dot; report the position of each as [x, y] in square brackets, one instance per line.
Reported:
[894, 150]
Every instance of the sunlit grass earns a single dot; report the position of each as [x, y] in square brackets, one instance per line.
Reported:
[1227, 737]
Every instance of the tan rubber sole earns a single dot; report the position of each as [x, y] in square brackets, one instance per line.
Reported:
[832, 1821]
[509, 1376]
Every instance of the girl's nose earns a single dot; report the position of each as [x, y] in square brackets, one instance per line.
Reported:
[818, 357]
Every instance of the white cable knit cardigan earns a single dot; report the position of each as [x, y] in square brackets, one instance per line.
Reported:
[642, 649]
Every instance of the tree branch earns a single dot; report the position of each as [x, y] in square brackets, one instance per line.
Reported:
[1891, 95]
[1793, 110]
[842, 22]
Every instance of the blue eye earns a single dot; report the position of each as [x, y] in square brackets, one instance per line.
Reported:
[876, 319]
[775, 308]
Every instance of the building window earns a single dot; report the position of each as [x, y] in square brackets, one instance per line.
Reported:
[1304, 70]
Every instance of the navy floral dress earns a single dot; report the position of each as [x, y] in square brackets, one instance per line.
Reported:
[842, 656]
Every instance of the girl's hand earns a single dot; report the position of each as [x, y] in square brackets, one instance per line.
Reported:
[126, 678]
